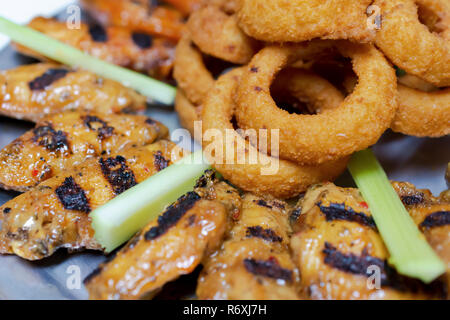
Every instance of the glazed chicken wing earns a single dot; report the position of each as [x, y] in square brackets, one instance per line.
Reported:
[62, 141]
[432, 216]
[169, 247]
[337, 248]
[255, 262]
[55, 214]
[138, 16]
[117, 45]
[32, 92]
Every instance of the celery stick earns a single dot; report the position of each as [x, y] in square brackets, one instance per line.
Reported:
[119, 219]
[71, 56]
[409, 252]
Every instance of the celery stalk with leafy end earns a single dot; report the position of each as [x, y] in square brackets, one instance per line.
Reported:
[63, 53]
[118, 220]
[409, 252]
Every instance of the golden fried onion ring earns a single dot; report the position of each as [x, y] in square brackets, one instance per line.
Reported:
[423, 110]
[217, 34]
[422, 114]
[410, 45]
[187, 112]
[190, 72]
[314, 139]
[290, 178]
[301, 20]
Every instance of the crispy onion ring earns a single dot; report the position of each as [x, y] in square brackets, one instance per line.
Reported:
[290, 179]
[423, 110]
[308, 88]
[422, 114]
[190, 72]
[410, 45]
[217, 34]
[314, 139]
[188, 113]
[301, 20]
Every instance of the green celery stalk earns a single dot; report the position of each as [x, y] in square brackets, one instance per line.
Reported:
[119, 219]
[409, 252]
[71, 56]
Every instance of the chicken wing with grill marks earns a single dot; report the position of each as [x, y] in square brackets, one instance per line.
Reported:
[255, 262]
[62, 141]
[55, 214]
[135, 50]
[138, 15]
[337, 248]
[432, 216]
[169, 247]
[34, 91]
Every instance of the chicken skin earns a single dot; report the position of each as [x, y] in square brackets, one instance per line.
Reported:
[173, 245]
[117, 45]
[338, 249]
[31, 92]
[55, 214]
[432, 216]
[255, 262]
[62, 141]
[138, 15]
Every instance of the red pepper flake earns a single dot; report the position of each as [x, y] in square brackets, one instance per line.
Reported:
[364, 205]
[273, 259]
[235, 215]
[35, 172]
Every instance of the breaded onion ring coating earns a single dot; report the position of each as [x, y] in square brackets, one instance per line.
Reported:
[218, 34]
[422, 114]
[410, 45]
[314, 139]
[289, 180]
[190, 72]
[423, 110]
[187, 112]
[302, 20]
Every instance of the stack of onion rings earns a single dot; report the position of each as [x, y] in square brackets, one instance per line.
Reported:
[315, 139]
[290, 179]
[318, 126]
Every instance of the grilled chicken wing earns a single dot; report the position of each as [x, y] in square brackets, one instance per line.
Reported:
[32, 92]
[55, 214]
[255, 263]
[137, 15]
[432, 216]
[337, 248]
[117, 45]
[62, 141]
[172, 246]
